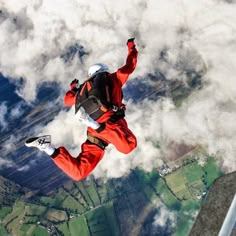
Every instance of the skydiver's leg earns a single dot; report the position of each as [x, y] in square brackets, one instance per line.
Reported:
[77, 168]
[118, 134]
[80, 167]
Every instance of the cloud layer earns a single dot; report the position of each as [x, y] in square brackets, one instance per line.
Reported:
[164, 220]
[197, 36]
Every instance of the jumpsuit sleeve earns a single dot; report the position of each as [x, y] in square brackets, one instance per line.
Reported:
[130, 65]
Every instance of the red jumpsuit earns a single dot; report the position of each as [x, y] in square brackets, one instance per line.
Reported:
[116, 133]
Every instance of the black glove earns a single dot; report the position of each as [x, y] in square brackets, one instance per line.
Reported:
[73, 84]
[130, 43]
[130, 40]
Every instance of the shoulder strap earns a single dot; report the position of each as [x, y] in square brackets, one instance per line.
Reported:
[82, 89]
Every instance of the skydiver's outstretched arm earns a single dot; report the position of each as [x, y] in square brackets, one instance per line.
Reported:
[131, 61]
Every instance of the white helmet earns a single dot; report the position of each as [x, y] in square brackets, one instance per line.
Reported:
[96, 69]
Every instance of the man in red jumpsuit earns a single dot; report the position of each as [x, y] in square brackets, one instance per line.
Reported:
[109, 127]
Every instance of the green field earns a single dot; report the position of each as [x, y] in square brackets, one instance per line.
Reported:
[25, 227]
[106, 191]
[32, 209]
[20, 221]
[86, 196]
[3, 230]
[176, 181]
[191, 180]
[92, 191]
[193, 172]
[4, 211]
[78, 226]
[60, 196]
[183, 194]
[102, 221]
[196, 188]
[97, 222]
[111, 219]
[165, 195]
[18, 209]
[73, 205]
[212, 171]
[63, 228]
[147, 183]
[30, 219]
[103, 192]
[39, 231]
[48, 201]
[187, 184]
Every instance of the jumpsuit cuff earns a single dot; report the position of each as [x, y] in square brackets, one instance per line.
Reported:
[55, 154]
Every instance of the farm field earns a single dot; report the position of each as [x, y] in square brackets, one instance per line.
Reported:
[97, 208]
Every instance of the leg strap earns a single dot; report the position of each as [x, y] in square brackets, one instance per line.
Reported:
[99, 142]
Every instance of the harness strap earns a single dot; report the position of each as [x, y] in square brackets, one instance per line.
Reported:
[107, 94]
[89, 87]
[82, 90]
[99, 142]
[119, 114]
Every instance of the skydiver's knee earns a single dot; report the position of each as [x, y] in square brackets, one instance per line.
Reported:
[77, 178]
[132, 143]
[129, 147]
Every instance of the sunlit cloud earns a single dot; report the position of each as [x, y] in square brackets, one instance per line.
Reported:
[164, 219]
[194, 36]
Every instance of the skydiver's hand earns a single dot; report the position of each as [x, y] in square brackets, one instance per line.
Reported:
[74, 84]
[130, 43]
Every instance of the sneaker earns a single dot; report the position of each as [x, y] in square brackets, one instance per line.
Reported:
[39, 142]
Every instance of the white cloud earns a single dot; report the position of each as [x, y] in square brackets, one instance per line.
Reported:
[5, 163]
[195, 34]
[164, 219]
[3, 112]
[8, 146]
[26, 167]
[17, 111]
[8, 114]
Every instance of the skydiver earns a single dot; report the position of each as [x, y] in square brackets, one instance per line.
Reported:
[98, 104]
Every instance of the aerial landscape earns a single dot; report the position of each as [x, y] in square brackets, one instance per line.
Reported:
[93, 207]
[180, 104]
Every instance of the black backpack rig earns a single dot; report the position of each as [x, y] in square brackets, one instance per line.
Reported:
[94, 95]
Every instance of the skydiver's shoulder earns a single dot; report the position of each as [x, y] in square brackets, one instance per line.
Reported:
[113, 75]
